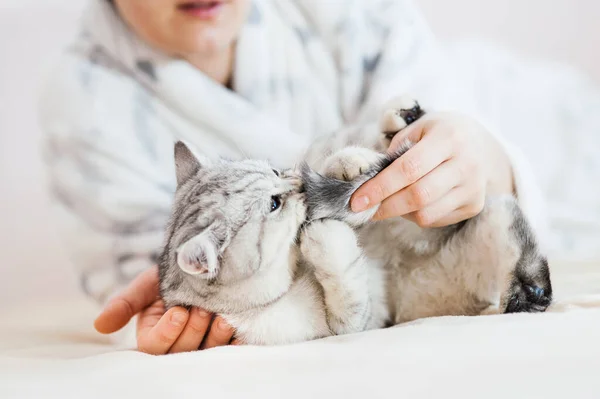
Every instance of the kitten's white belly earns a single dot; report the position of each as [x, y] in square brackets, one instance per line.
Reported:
[297, 316]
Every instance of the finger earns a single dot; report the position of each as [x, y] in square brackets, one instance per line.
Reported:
[150, 316]
[194, 332]
[157, 339]
[220, 334]
[413, 133]
[236, 341]
[422, 193]
[456, 206]
[421, 159]
[140, 293]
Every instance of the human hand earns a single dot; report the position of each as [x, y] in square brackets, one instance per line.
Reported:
[444, 178]
[161, 331]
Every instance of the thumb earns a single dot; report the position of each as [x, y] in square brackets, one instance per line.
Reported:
[140, 294]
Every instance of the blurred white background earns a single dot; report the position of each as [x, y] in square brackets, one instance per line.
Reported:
[32, 260]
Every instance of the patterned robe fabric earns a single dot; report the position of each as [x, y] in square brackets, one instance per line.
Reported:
[113, 108]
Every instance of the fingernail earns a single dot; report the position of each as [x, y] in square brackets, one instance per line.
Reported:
[178, 319]
[360, 204]
[202, 313]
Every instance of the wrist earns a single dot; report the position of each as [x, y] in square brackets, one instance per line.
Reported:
[500, 176]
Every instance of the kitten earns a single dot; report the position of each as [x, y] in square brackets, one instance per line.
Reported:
[236, 246]
[488, 264]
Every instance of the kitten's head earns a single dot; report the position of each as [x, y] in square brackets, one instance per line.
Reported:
[231, 222]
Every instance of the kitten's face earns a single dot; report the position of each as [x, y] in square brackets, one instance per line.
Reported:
[232, 220]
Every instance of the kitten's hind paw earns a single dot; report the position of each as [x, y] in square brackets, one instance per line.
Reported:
[528, 298]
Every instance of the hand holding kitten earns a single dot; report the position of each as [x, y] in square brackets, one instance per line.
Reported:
[161, 331]
[444, 178]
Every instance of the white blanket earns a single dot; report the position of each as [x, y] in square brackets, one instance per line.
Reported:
[53, 352]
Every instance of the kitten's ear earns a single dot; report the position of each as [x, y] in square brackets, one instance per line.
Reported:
[186, 164]
[198, 256]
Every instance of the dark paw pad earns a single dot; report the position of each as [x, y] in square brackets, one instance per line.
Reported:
[411, 115]
[528, 298]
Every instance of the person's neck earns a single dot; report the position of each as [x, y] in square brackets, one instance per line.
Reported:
[218, 67]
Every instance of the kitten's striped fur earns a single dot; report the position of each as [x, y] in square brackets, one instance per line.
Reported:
[235, 247]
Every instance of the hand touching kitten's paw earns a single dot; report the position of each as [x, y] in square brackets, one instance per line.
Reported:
[350, 162]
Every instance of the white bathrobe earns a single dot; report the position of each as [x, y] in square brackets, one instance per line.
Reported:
[304, 68]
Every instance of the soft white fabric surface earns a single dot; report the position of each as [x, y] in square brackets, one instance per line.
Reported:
[52, 351]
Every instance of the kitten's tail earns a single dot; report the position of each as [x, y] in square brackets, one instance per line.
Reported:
[327, 197]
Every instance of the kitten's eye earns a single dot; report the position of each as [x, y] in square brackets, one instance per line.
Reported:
[276, 172]
[275, 203]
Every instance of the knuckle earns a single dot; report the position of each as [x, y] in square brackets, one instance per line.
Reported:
[380, 191]
[478, 205]
[388, 210]
[198, 326]
[165, 336]
[474, 207]
[420, 196]
[423, 218]
[410, 168]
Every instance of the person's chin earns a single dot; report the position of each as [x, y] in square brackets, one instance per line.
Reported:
[208, 42]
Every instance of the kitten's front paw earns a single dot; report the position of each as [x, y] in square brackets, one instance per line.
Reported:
[351, 162]
[329, 245]
[398, 114]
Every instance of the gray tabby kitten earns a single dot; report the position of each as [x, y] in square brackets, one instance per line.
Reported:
[235, 246]
[488, 264]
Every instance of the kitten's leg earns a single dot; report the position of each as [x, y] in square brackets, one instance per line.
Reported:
[350, 162]
[525, 282]
[331, 249]
[529, 288]
[501, 238]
